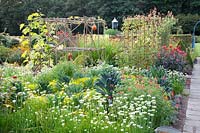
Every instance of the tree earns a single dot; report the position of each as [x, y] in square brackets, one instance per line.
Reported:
[14, 12]
[9, 13]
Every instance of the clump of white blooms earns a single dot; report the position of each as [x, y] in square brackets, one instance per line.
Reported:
[123, 114]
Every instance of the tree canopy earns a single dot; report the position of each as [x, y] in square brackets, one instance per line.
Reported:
[14, 12]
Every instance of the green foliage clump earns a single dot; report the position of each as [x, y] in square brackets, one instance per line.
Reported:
[106, 51]
[15, 56]
[4, 54]
[170, 80]
[62, 73]
[177, 38]
[109, 79]
[10, 55]
[7, 41]
[112, 32]
[43, 80]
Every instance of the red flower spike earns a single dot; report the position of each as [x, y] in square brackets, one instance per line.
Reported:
[69, 57]
[179, 47]
[14, 77]
[170, 46]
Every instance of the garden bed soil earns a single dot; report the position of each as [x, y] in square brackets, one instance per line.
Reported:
[179, 124]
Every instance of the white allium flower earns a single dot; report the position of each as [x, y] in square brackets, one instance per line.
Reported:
[144, 107]
[81, 101]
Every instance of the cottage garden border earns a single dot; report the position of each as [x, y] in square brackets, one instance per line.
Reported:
[102, 98]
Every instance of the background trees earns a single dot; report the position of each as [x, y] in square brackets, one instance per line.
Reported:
[14, 12]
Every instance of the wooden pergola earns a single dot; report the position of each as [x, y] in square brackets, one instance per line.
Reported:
[70, 24]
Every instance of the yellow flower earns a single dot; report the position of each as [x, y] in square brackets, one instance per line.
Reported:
[38, 102]
[53, 83]
[67, 100]
[80, 81]
[61, 93]
[25, 42]
[133, 76]
[32, 86]
[42, 99]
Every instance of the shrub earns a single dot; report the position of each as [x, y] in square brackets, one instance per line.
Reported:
[64, 71]
[177, 38]
[43, 81]
[112, 32]
[7, 41]
[4, 54]
[10, 55]
[15, 57]
[197, 39]
[170, 81]
[189, 61]
[61, 73]
[171, 58]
